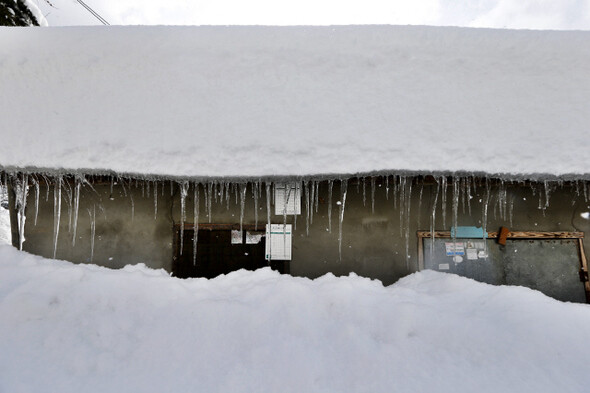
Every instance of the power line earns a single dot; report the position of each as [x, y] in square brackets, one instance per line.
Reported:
[100, 18]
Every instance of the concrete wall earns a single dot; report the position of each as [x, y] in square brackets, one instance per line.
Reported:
[123, 235]
[373, 244]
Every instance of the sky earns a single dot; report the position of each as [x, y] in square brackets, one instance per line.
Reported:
[515, 14]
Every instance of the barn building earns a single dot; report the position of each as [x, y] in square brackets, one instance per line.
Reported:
[378, 150]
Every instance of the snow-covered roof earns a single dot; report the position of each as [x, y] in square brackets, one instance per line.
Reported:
[260, 101]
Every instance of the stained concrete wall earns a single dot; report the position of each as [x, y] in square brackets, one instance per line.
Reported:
[127, 230]
[373, 243]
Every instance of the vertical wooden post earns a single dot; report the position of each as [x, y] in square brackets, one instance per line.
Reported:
[584, 268]
[12, 211]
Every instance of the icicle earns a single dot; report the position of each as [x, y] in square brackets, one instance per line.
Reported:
[70, 196]
[37, 191]
[444, 200]
[21, 211]
[76, 207]
[455, 209]
[311, 201]
[343, 187]
[455, 204]
[307, 212]
[402, 201]
[183, 193]
[112, 181]
[387, 187]
[408, 204]
[547, 193]
[433, 220]
[373, 194]
[215, 191]
[420, 201]
[287, 198]
[92, 230]
[267, 186]
[47, 184]
[227, 194]
[196, 222]
[317, 196]
[155, 200]
[484, 219]
[330, 185]
[56, 213]
[147, 188]
[243, 189]
[142, 187]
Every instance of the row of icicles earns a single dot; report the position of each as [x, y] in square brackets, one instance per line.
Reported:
[463, 189]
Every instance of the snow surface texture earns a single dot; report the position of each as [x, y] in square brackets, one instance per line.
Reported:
[83, 328]
[271, 101]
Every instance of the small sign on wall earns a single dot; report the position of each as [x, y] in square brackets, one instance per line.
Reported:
[278, 242]
[287, 198]
[236, 237]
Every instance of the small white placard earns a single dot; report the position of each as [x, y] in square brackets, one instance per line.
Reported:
[236, 237]
[471, 254]
[443, 266]
[287, 198]
[457, 248]
[278, 242]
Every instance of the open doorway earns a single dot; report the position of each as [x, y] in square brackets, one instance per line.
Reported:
[221, 249]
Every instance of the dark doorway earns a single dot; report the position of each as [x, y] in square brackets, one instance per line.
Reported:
[218, 253]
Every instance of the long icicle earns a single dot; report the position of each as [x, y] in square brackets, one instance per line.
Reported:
[196, 223]
[433, 219]
[92, 230]
[183, 193]
[21, 211]
[56, 213]
[343, 189]
[37, 192]
[268, 225]
[408, 204]
[76, 208]
[243, 190]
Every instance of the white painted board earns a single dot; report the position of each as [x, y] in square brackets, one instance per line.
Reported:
[278, 242]
[287, 198]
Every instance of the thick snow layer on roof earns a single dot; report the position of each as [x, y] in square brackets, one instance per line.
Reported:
[258, 101]
[77, 328]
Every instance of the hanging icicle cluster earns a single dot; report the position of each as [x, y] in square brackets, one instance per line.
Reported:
[459, 191]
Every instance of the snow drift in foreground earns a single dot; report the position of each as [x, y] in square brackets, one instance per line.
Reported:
[262, 101]
[78, 328]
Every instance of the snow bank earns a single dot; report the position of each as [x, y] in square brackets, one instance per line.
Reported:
[73, 328]
[258, 101]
